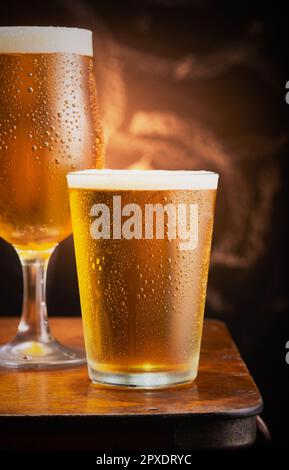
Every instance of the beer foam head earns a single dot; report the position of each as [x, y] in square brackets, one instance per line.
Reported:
[142, 179]
[48, 39]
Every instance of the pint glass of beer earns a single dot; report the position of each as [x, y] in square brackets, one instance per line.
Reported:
[142, 242]
[49, 126]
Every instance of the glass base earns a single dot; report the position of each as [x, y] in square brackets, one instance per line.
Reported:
[31, 354]
[141, 380]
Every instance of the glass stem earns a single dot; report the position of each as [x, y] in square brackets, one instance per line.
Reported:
[33, 325]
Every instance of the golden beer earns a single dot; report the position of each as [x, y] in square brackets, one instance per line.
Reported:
[142, 295]
[49, 125]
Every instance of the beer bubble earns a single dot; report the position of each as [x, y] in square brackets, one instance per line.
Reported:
[45, 143]
[122, 303]
[57, 160]
[34, 148]
[99, 268]
[30, 89]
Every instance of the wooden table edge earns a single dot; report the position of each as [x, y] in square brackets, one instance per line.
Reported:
[234, 414]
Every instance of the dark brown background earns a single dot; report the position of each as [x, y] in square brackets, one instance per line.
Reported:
[196, 85]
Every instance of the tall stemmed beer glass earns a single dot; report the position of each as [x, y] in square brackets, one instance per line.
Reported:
[48, 126]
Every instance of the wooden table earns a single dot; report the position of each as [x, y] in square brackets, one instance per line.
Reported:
[61, 409]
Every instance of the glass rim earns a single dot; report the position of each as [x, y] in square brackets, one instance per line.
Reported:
[142, 179]
[45, 40]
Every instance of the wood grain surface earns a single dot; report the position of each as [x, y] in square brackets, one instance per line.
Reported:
[223, 388]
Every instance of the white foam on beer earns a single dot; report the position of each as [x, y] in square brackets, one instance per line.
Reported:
[47, 39]
[142, 179]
